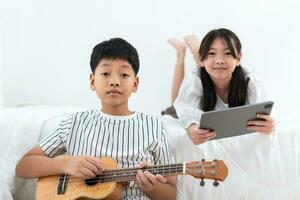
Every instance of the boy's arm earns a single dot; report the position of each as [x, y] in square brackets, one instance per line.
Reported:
[35, 163]
[166, 191]
[156, 186]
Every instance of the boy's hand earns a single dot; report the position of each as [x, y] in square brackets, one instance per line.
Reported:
[265, 125]
[146, 181]
[199, 136]
[83, 166]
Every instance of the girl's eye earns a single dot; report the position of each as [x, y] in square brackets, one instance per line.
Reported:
[211, 53]
[228, 53]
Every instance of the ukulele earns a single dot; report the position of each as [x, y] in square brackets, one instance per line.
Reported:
[110, 183]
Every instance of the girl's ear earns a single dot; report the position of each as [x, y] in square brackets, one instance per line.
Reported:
[239, 58]
[92, 82]
[135, 84]
[200, 62]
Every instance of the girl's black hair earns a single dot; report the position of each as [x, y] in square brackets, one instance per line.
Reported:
[238, 87]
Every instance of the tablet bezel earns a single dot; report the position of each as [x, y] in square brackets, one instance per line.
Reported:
[233, 121]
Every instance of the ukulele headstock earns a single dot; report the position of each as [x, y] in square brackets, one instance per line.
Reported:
[215, 170]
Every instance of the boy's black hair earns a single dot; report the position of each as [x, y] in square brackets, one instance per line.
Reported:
[238, 87]
[115, 48]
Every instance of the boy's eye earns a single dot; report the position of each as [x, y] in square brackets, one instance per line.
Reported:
[125, 75]
[104, 74]
[211, 53]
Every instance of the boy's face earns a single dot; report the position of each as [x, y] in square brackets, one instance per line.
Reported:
[114, 81]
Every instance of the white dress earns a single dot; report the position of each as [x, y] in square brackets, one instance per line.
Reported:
[232, 150]
[187, 103]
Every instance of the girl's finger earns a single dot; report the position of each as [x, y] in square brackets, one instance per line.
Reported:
[262, 116]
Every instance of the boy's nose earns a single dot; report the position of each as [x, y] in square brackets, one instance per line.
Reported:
[114, 84]
[114, 81]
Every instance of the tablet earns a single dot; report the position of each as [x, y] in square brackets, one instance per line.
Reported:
[233, 121]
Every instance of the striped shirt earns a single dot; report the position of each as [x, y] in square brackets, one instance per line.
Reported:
[127, 139]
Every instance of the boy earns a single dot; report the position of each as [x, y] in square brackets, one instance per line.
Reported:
[131, 138]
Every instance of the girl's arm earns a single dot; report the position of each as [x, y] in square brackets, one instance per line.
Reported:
[187, 102]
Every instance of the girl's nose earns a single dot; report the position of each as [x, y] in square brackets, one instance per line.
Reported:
[220, 60]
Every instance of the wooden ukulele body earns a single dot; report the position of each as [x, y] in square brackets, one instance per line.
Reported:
[110, 183]
[77, 189]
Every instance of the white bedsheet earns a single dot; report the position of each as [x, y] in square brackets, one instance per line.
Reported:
[21, 130]
[260, 167]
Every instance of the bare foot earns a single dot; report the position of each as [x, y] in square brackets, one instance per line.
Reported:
[179, 45]
[193, 43]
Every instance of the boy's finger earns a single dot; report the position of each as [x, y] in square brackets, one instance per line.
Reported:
[161, 178]
[91, 167]
[96, 162]
[141, 165]
[87, 173]
[144, 179]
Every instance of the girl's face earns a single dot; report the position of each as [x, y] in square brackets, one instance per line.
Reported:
[220, 62]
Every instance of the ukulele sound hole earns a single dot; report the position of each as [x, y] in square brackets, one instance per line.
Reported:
[92, 181]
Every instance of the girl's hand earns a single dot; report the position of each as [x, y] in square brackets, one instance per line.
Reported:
[146, 181]
[83, 166]
[265, 124]
[199, 136]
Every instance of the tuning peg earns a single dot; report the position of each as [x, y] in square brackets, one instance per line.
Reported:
[202, 183]
[216, 183]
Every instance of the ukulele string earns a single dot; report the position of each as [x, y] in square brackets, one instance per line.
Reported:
[121, 175]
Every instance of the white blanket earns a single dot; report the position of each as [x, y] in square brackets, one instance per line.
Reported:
[260, 167]
[20, 131]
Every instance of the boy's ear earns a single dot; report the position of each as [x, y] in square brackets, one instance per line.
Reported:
[135, 84]
[92, 82]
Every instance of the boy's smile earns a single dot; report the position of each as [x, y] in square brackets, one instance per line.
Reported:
[114, 80]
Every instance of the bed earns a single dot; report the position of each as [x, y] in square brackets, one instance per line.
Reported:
[261, 167]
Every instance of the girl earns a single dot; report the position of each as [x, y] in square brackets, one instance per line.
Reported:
[219, 82]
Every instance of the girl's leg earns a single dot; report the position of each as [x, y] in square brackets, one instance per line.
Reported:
[180, 47]
[193, 43]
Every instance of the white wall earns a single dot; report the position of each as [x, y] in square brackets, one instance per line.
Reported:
[1, 101]
[46, 45]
